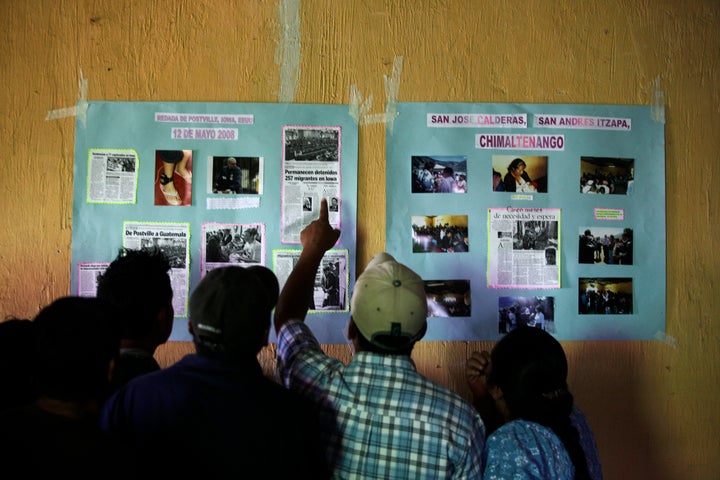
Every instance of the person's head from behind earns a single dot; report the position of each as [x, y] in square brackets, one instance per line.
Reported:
[16, 358]
[528, 377]
[230, 309]
[137, 283]
[448, 172]
[76, 341]
[389, 307]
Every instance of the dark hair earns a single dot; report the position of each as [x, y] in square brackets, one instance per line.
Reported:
[137, 283]
[16, 358]
[530, 367]
[76, 339]
[516, 163]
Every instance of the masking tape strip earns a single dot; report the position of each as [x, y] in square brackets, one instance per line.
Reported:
[359, 108]
[663, 337]
[657, 106]
[287, 53]
[80, 110]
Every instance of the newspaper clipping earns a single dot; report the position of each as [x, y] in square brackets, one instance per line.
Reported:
[331, 279]
[311, 172]
[173, 240]
[88, 274]
[112, 176]
[523, 248]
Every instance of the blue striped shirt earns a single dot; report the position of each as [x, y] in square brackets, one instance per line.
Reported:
[381, 418]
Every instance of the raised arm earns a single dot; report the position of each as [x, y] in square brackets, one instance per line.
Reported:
[477, 371]
[316, 238]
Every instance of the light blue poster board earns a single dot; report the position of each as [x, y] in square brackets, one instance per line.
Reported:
[594, 168]
[289, 155]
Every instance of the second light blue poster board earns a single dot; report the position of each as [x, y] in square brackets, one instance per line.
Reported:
[599, 168]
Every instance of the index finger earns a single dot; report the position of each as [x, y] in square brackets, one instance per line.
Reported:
[323, 210]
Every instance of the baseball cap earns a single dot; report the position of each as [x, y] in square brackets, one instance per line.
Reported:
[230, 309]
[388, 305]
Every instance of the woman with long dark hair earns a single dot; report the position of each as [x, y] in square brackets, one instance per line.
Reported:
[534, 429]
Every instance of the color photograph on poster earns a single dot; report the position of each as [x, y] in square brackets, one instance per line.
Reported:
[235, 175]
[606, 245]
[448, 298]
[440, 234]
[522, 173]
[605, 296]
[609, 176]
[173, 178]
[514, 312]
[439, 174]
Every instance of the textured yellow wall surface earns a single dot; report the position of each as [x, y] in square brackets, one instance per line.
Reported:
[653, 404]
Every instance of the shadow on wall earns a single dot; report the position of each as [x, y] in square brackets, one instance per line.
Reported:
[606, 382]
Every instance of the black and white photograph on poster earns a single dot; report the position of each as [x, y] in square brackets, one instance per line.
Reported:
[448, 298]
[329, 288]
[535, 235]
[312, 144]
[232, 244]
[605, 296]
[608, 176]
[523, 173]
[605, 245]
[235, 175]
[174, 249]
[307, 204]
[537, 312]
[440, 233]
[439, 174]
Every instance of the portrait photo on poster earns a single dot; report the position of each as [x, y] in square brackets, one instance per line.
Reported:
[520, 173]
[235, 175]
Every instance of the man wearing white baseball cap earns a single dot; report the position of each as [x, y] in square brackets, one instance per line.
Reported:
[380, 418]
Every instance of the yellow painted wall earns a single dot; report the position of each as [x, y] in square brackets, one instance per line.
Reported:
[653, 404]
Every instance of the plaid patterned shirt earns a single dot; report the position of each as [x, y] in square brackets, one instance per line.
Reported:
[381, 418]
